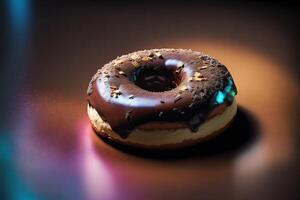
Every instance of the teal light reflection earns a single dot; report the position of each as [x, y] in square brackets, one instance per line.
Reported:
[18, 11]
[227, 94]
[220, 97]
[14, 188]
[18, 36]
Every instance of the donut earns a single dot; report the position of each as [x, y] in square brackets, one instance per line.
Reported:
[161, 99]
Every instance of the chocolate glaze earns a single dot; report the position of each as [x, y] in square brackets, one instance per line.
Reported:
[160, 85]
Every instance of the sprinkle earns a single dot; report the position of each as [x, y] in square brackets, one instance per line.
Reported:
[160, 114]
[117, 62]
[90, 90]
[147, 58]
[178, 71]
[135, 57]
[200, 79]
[128, 115]
[190, 79]
[197, 75]
[204, 67]
[131, 96]
[180, 65]
[117, 92]
[122, 73]
[214, 62]
[135, 63]
[183, 88]
[113, 87]
[151, 54]
[158, 54]
[205, 57]
[177, 98]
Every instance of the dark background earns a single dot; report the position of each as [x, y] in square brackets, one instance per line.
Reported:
[50, 50]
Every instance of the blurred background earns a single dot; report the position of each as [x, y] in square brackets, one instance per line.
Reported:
[50, 50]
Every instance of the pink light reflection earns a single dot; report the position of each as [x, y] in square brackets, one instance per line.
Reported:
[97, 178]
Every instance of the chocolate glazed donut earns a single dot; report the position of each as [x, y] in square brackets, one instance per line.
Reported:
[160, 88]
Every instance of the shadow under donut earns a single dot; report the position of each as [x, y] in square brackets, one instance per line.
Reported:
[240, 135]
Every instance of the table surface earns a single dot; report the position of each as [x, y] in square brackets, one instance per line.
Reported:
[48, 149]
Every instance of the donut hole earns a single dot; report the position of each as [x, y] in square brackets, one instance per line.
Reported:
[156, 78]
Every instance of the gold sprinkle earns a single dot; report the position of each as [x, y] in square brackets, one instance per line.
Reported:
[135, 63]
[135, 57]
[131, 96]
[204, 67]
[197, 75]
[122, 73]
[183, 88]
[159, 55]
[117, 92]
[117, 62]
[151, 54]
[200, 79]
[113, 87]
[147, 58]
